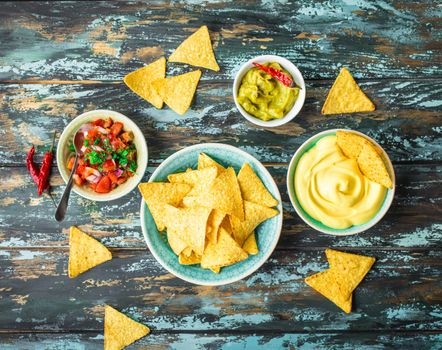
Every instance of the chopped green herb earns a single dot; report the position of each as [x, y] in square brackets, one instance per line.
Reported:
[86, 143]
[133, 166]
[97, 141]
[71, 147]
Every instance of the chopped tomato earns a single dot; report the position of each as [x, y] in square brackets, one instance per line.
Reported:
[109, 165]
[122, 180]
[80, 169]
[130, 173]
[99, 122]
[92, 186]
[104, 185]
[108, 123]
[71, 163]
[116, 128]
[78, 180]
[92, 133]
[113, 177]
[127, 136]
[117, 144]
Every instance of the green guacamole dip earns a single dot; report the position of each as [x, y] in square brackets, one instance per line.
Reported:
[263, 96]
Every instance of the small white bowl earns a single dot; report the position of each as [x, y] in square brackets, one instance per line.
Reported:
[139, 141]
[294, 72]
[318, 225]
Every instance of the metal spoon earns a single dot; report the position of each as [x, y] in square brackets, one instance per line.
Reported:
[63, 204]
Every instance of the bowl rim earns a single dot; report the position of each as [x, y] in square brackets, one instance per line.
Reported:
[358, 228]
[294, 72]
[92, 115]
[247, 272]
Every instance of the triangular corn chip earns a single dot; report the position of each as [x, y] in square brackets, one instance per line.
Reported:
[224, 195]
[157, 194]
[216, 269]
[190, 225]
[222, 253]
[120, 330]
[371, 164]
[254, 215]
[204, 161]
[213, 224]
[85, 252]
[329, 285]
[140, 81]
[350, 143]
[177, 92]
[196, 50]
[352, 267]
[346, 96]
[175, 242]
[200, 180]
[192, 259]
[252, 188]
[250, 246]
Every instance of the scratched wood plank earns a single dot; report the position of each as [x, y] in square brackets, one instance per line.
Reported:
[103, 41]
[229, 341]
[407, 122]
[403, 291]
[414, 220]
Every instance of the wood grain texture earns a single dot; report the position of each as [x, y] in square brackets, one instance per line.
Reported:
[99, 41]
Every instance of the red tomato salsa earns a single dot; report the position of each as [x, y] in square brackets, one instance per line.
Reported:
[108, 156]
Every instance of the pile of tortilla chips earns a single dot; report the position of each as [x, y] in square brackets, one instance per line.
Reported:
[177, 92]
[210, 213]
[367, 155]
[346, 96]
[341, 279]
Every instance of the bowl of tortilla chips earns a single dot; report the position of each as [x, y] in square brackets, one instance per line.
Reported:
[211, 214]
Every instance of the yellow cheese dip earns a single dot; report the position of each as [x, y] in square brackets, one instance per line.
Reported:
[331, 189]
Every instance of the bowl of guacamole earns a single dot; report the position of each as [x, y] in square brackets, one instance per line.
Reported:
[263, 99]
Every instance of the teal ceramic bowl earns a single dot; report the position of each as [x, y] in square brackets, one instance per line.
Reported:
[317, 225]
[267, 234]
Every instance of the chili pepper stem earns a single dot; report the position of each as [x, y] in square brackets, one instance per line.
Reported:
[53, 141]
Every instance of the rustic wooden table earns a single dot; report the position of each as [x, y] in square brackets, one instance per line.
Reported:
[58, 60]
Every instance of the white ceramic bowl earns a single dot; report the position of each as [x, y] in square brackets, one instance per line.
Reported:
[318, 225]
[139, 141]
[294, 72]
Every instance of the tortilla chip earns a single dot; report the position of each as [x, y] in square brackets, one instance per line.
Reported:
[121, 331]
[177, 92]
[329, 285]
[200, 180]
[187, 251]
[213, 224]
[216, 269]
[196, 50]
[189, 224]
[157, 194]
[254, 215]
[175, 242]
[141, 80]
[372, 166]
[352, 267]
[250, 246]
[350, 143]
[192, 259]
[224, 195]
[346, 96]
[222, 253]
[252, 188]
[85, 252]
[204, 161]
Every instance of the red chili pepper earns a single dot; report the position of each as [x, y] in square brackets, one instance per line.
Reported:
[277, 74]
[32, 167]
[45, 169]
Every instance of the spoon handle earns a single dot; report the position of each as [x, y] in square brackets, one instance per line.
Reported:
[63, 205]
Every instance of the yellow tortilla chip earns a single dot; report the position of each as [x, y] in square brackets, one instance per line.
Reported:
[371, 164]
[204, 161]
[141, 80]
[216, 269]
[350, 143]
[200, 180]
[213, 224]
[252, 188]
[352, 267]
[196, 50]
[254, 215]
[175, 242]
[189, 224]
[346, 96]
[191, 259]
[187, 251]
[329, 285]
[157, 194]
[250, 246]
[85, 252]
[224, 195]
[222, 253]
[177, 92]
[121, 331]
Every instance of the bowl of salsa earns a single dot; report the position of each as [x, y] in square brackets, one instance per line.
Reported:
[269, 90]
[113, 155]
